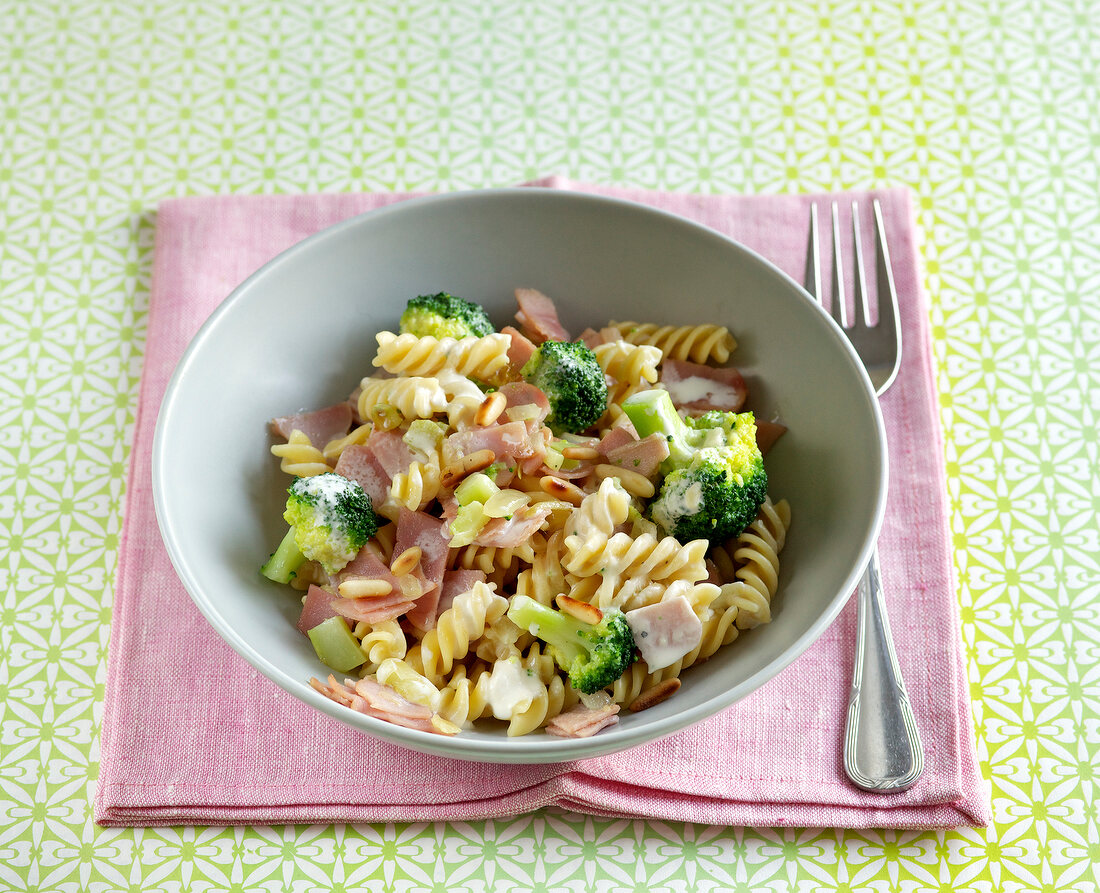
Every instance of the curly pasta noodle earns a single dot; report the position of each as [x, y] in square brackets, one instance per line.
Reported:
[627, 564]
[591, 526]
[417, 486]
[299, 457]
[465, 698]
[379, 642]
[334, 449]
[482, 358]
[630, 365]
[462, 623]
[750, 563]
[701, 343]
[413, 397]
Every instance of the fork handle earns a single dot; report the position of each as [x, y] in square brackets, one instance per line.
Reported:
[882, 749]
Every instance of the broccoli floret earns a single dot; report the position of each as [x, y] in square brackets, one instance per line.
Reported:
[592, 656]
[330, 519]
[573, 381]
[445, 316]
[714, 479]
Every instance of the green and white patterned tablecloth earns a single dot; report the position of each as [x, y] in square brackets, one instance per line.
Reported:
[989, 111]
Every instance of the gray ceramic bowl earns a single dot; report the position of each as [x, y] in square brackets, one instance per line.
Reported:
[600, 259]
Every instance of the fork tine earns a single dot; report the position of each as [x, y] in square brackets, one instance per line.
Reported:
[862, 299]
[886, 267]
[840, 301]
[813, 258]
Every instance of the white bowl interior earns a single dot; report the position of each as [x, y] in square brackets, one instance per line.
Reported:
[299, 334]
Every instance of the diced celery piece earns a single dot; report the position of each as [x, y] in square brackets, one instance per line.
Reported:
[336, 646]
[467, 523]
[424, 435]
[505, 503]
[477, 487]
[522, 413]
[553, 458]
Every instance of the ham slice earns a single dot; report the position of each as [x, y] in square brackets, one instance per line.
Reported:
[767, 433]
[358, 463]
[664, 632]
[455, 583]
[504, 440]
[429, 533]
[521, 349]
[320, 425]
[505, 533]
[699, 388]
[538, 316]
[616, 438]
[393, 454]
[520, 393]
[643, 456]
[370, 697]
[373, 609]
[368, 566]
[317, 608]
[583, 722]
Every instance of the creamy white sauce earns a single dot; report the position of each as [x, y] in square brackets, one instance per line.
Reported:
[512, 688]
[688, 390]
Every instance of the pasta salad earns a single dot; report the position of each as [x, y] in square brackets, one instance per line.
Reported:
[521, 526]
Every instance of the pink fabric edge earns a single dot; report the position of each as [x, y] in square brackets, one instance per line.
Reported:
[573, 791]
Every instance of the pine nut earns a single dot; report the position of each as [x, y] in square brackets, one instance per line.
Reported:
[580, 452]
[561, 489]
[406, 561]
[467, 465]
[634, 483]
[490, 409]
[582, 611]
[662, 691]
[364, 588]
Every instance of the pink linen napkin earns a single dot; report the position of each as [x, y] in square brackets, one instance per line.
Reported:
[206, 751]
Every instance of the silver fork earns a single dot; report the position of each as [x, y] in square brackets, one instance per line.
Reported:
[882, 749]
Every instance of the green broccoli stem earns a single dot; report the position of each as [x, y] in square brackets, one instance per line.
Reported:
[652, 412]
[284, 561]
[553, 627]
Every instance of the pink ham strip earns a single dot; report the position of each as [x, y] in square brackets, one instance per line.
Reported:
[539, 317]
[521, 350]
[429, 533]
[592, 338]
[521, 393]
[504, 440]
[368, 566]
[615, 438]
[643, 456]
[455, 583]
[320, 425]
[504, 533]
[583, 722]
[767, 433]
[393, 454]
[722, 387]
[383, 702]
[317, 607]
[373, 609]
[369, 697]
[664, 632]
[358, 463]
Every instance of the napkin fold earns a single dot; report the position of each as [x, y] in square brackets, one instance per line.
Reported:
[188, 736]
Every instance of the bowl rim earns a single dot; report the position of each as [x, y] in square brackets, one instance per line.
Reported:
[522, 749]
